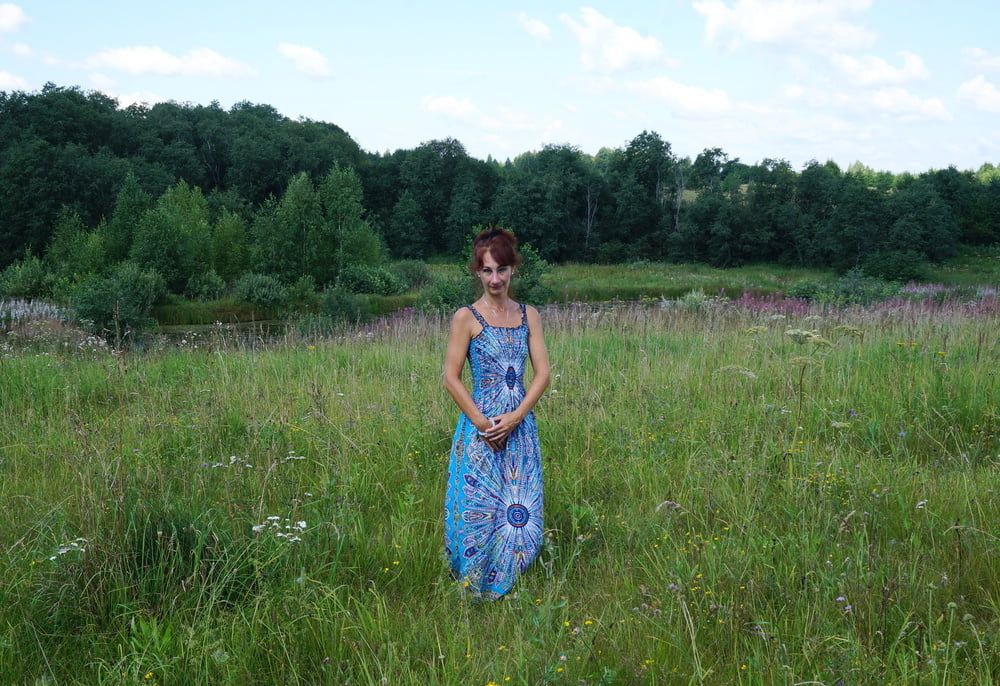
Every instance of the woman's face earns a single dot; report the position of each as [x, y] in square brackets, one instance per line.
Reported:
[494, 277]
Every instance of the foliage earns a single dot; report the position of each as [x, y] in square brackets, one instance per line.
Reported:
[413, 273]
[120, 301]
[302, 294]
[340, 305]
[171, 237]
[25, 278]
[527, 282]
[261, 290]
[855, 287]
[447, 291]
[356, 278]
[361, 246]
[74, 252]
[205, 286]
[407, 230]
[185, 188]
[896, 265]
[230, 246]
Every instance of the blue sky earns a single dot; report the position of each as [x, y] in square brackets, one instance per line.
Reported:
[897, 84]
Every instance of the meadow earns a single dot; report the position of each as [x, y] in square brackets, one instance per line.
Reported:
[751, 492]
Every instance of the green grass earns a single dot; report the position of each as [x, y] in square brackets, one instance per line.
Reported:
[722, 506]
[973, 267]
[589, 282]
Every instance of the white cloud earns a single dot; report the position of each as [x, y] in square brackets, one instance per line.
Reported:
[983, 59]
[306, 59]
[690, 99]
[982, 93]
[902, 102]
[11, 17]
[460, 108]
[820, 25]
[608, 47]
[21, 49]
[871, 71]
[142, 59]
[9, 81]
[102, 82]
[534, 27]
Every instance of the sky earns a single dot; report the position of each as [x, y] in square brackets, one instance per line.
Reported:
[901, 85]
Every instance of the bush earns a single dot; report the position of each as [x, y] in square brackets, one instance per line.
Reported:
[261, 290]
[897, 265]
[302, 294]
[205, 286]
[413, 273]
[24, 279]
[527, 284]
[857, 288]
[358, 278]
[339, 305]
[448, 292]
[808, 289]
[614, 252]
[120, 301]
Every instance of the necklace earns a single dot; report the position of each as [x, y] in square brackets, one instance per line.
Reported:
[508, 336]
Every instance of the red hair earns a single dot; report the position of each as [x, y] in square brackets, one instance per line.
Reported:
[500, 243]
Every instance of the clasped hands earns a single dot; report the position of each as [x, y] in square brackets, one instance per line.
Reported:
[495, 430]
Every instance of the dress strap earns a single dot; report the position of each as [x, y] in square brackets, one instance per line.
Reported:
[524, 315]
[479, 317]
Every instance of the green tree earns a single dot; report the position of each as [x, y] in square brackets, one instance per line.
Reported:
[230, 247]
[130, 205]
[174, 237]
[407, 230]
[74, 251]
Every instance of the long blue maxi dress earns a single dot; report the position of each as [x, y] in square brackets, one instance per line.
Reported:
[493, 507]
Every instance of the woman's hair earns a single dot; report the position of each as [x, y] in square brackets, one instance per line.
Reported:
[500, 243]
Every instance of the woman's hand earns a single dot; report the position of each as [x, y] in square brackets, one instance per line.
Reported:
[496, 436]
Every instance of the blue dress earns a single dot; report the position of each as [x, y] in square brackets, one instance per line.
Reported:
[493, 507]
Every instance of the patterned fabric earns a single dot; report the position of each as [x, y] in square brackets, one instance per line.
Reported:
[493, 508]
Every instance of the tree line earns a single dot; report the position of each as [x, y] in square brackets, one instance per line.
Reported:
[185, 189]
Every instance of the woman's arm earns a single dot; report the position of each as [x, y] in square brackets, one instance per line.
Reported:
[539, 381]
[454, 360]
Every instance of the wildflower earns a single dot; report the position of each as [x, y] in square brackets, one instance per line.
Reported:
[921, 505]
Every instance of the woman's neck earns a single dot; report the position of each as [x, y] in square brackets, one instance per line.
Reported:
[497, 303]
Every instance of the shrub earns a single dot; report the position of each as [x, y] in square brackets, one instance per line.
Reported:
[340, 305]
[205, 286]
[302, 294]
[358, 278]
[857, 288]
[261, 290]
[120, 301]
[527, 285]
[614, 252]
[24, 279]
[808, 289]
[413, 273]
[897, 265]
[447, 292]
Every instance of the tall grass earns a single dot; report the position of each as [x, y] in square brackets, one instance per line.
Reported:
[724, 504]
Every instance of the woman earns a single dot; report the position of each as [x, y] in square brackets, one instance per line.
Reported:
[493, 508]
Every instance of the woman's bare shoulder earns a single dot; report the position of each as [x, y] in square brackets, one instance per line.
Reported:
[462, 314]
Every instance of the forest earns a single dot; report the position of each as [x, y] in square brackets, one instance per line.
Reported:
[197, 196]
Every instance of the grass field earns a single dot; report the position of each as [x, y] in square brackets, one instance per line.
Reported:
[726, 503]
